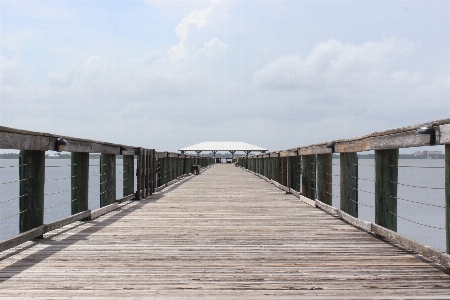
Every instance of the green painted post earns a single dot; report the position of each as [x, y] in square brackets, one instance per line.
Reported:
[107, 179]
[308, 176]
[147, 175]
[299, 173]
[153, 170]
[269, 167]
[128, 175]
[139, 173]
[324, 178]
[447, 195]
[349, 183]
[79, 182]
[32, 179]
[386, 178]
[266, 167]
[162, 167]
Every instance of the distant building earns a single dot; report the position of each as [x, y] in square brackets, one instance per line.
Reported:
[427, 153]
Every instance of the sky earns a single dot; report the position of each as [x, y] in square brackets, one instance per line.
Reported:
[170, 74]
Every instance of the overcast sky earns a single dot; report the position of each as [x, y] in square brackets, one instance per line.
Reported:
[170, 74]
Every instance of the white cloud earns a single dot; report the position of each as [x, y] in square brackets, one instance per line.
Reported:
[212, 48]
[196, 19]
[335, 64]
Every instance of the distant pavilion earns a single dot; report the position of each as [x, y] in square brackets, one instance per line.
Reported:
[231, 147]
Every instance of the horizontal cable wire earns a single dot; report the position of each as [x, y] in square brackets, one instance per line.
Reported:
[95, 175]
[60, 192]
[335, 175]
[9, 217]
[6, 167]
[360, 203]
[61, 178]
[362, 191]
[365, 179]
[418, 202]
[98, 183]
[417, 223]
[60, 204]
[13, 198]
[418, 167]
[416, 186]
[13, 181]
[59, 166]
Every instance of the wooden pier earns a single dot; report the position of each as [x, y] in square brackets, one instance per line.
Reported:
[224, 234]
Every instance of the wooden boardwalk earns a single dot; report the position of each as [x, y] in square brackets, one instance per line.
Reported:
[224, 234]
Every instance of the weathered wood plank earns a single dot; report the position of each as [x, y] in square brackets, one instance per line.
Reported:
[444, 134]
[22, 238]
[314, 149]
[393, 141]
[353, 146]
[24, 141]
[66, 221]
[103, 210]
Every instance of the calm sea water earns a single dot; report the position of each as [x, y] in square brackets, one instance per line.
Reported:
[419, 181]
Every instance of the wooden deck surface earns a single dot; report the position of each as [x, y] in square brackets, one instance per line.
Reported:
[224, 234]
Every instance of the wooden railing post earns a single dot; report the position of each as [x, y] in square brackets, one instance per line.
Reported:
[107, 179]
[153, 170]
[324, 178]
[261, 165]
[349, 183]
[79, 182]
[147, 173]
[139, 174]
[128, 175]
[447, 196]
[308, 176]
[296, 173]
[163, 169]
[264, 165]
[32, 179]
[289, 172]
[386, 178]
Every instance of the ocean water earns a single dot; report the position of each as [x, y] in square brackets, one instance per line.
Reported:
[420, 180]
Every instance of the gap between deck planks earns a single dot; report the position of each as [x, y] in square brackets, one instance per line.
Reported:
[224, 234]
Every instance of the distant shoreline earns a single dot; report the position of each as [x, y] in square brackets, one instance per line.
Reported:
[335, 156]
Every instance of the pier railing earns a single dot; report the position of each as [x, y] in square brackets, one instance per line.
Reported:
[307, 172]
[152, 172]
